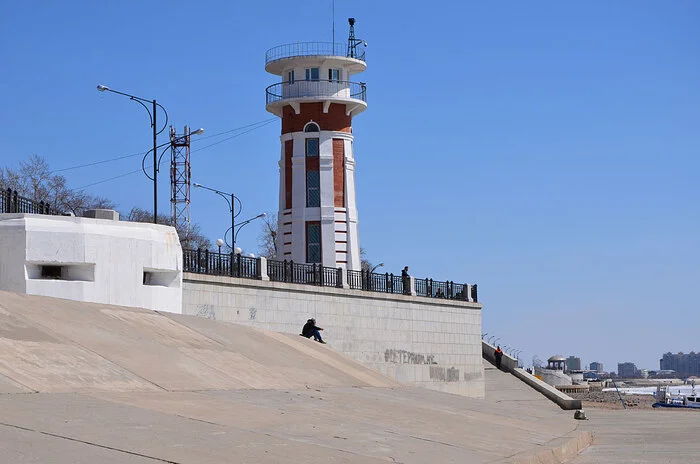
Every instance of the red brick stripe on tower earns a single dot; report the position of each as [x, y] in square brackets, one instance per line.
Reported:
[334, 120]
[288, 152]
[339, 172]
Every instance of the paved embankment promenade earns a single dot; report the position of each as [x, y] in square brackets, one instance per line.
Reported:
[87, 383]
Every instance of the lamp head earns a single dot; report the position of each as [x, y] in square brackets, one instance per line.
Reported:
[197, 185]
[198, 131]
[102, 88]
[351, 21]
[238, 251]
[219, 242]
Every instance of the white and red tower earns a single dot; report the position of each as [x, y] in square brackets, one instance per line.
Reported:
[317, 100]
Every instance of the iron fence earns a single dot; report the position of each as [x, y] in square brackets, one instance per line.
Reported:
[213, 263]
[448, 289]
[13, 202]
[233, 265]
[371, 281]
[312, 49]
[313, 274]
[316, 89]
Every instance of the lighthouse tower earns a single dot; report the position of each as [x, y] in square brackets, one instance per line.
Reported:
[316, 100]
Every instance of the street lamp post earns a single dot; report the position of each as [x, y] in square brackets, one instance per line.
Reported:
[247, 221]
[231, 205]
[375, 267]
[152, 113]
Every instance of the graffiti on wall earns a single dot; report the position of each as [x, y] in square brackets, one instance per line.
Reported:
[447, 374]
[407, 357]
[206, 310]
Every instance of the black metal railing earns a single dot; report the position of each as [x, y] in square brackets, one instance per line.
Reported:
[321, 89]
[13, 202]
[447, 289]
[312, 49]
[313, 274]
[213, 263]
[230, 264]
[370, 281]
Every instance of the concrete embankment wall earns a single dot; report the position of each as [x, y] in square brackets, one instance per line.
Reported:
[52, 345]
[432, 343]
[510, 364]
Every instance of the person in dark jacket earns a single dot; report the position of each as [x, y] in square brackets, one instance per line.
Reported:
[310, 330]
[499, 355]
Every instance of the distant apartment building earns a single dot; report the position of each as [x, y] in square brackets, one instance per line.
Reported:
[573, 363]
[627, 370]
[683, 364]
[596, 366]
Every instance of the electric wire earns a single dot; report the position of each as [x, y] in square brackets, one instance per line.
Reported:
[258, 126]
[109, 160]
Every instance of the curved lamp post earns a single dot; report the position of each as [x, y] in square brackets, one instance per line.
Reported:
[375, 267]
[230, 199]
[152, 113]
[240, 226]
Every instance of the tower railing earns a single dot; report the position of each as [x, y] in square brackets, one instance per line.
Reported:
[320, 89]
[312, 49]
[233, 265]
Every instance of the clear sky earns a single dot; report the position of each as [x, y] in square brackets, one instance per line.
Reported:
[547, 151]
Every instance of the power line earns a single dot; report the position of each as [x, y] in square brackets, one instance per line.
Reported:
[259, 125]
[107, 180]
[234, 136]
[95, 163]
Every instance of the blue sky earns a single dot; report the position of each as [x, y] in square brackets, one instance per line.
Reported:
[547, 151]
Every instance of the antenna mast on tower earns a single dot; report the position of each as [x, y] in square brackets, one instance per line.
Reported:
[180, 176]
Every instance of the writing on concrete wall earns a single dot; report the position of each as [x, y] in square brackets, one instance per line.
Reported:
[206, 310]
[448, 374]
[253, 314]
[406, 357]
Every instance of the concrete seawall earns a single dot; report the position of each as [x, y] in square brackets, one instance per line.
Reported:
[427, 342]
[510, 364]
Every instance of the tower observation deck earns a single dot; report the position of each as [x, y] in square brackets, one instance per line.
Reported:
[316, 100]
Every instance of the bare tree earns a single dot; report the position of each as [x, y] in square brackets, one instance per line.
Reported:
[34, 180]
[365, 264]
[267, 240]
[189, 239]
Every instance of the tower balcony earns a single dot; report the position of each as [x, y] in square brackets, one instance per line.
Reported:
[352, 58]
[352, 94]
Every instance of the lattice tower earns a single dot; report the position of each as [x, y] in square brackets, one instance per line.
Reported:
[180, 178]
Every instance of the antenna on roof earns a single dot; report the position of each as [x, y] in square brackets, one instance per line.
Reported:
[333, 20]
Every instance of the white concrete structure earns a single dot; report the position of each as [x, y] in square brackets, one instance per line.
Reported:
[317, 220]
[554, 373]
[428, 342]
[93, 260]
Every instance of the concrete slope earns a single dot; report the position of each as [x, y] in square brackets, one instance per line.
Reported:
[54, 345]
[123, 385]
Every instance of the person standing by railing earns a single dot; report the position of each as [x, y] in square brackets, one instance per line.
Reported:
[406, 281]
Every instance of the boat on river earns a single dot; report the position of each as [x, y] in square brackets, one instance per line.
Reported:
[668, 400]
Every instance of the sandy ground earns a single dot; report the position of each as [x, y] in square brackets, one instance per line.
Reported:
[610, 400]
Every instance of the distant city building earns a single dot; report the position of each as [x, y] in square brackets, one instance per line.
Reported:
[596, 367]
[573, 363]
[684, 364]
[627, 370]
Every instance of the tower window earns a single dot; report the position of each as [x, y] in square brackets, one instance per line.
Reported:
[312, 74]
[311, 127]
[311, 147]
[313, 189]
[290, 77]
[334, 75]
[313, 242]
